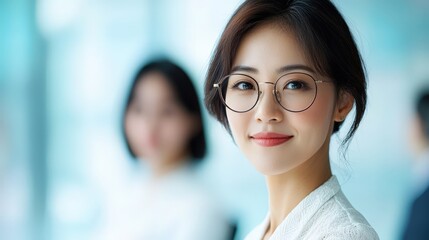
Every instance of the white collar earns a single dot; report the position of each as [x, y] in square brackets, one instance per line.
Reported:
[292, 225]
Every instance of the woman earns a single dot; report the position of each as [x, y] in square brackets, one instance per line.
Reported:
[283, 77]
[163, 128]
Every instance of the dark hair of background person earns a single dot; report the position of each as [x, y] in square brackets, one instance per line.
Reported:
[319, 28]
[423, 110]
[186, 95]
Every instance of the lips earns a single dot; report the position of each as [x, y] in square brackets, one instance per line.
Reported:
[270, 139]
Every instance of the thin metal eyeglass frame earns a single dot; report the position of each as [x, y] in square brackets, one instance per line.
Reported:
[218, 86]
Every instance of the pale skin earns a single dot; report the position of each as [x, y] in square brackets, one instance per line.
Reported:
[418, 142]
[297, 167]
[158, 128]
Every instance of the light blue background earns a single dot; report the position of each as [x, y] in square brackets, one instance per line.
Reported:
[65, 68]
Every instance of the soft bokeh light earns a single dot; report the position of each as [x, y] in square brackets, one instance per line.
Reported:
[65, 69]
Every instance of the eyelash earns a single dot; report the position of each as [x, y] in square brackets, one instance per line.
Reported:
[236, 85]
[303, 85]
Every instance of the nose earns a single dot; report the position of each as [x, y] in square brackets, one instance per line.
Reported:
[268, 109]
[152, 121]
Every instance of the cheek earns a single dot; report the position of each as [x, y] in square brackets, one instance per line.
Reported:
[135, 133]
[238, 123]
[176, 132]
[318, 119]
[232, 120]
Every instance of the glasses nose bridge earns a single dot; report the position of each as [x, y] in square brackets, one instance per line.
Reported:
[273, 91]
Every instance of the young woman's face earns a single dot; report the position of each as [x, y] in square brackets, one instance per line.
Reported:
[273, 139]
[158, 128]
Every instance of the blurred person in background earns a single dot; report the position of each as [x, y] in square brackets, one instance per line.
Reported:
[417, 226]
[163, 128]
[282, 80]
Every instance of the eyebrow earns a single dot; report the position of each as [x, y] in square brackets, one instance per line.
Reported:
[241, 68]
[289, 68]
[283, 69]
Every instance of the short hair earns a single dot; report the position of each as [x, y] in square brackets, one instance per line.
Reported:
[185, 94]
[422, 109]
[323, 34]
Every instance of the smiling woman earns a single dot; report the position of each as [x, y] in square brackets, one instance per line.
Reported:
[282, 79]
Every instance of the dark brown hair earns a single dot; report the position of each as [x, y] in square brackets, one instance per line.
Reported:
[319, 28]
[185, 94]
[422, 109]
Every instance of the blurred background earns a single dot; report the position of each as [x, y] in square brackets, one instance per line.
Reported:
[65, 69]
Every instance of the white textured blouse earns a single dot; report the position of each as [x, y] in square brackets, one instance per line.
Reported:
[323, 214]
[176, 207]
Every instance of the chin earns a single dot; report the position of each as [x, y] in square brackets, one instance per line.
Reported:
[270, 168]
[271, 171]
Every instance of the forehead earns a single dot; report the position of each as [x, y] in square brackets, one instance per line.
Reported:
[153, 87]
[269, 47]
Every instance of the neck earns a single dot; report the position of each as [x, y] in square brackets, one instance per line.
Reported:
[164, 166]
[287, 190]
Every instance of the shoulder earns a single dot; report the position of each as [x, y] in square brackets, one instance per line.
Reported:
[338, 219]
[354, 231]
[195, 199]
[342, 212]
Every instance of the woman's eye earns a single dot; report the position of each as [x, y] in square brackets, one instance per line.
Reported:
[295, 85]
[243, 86]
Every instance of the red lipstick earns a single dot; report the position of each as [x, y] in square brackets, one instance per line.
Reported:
[270, 139]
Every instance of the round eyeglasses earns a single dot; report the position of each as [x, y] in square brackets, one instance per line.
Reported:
[294, 91]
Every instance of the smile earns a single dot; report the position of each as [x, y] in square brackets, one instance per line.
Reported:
[270, 139]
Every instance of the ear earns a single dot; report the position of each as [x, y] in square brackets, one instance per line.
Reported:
[344, 105]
